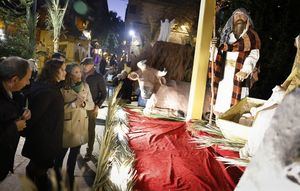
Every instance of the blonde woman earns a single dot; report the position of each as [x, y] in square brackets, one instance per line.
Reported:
[77, 100]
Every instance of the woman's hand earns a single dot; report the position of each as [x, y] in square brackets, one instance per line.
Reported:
[21, 124]
[79, 102]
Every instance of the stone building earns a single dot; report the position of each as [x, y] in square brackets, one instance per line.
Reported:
[144, 16]
[78, 20]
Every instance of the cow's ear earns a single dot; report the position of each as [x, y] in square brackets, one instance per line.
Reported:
[161, 73]
[163, 80]
[133, 76]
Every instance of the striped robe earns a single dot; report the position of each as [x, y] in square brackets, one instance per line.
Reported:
[249, 41]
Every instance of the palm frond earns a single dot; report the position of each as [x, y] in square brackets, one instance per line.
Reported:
[166, 117]
[234, 161]
[115, 169]
[31, 22]
[207, 141]
[55, 18]
[159, 113]
[207, 128]
[215, 137]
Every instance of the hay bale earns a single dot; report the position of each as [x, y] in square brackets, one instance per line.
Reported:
[176, 58]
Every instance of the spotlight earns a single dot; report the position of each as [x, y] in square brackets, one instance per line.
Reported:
[131, 33]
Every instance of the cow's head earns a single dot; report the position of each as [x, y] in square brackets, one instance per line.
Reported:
[149, 79]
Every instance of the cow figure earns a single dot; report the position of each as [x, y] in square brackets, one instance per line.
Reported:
[160, 93]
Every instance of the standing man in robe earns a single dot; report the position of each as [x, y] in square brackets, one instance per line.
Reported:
[235, 61]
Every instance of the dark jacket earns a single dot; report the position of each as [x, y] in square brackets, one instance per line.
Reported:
[10, 112]
[102, 67]
[45, 128]
[126, 89]
[97, 86]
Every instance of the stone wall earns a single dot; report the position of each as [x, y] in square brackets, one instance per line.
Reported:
[279, 148]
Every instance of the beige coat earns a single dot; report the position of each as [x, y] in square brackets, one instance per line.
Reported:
[75, 131]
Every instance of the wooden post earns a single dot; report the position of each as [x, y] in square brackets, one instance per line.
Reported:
[201, 59]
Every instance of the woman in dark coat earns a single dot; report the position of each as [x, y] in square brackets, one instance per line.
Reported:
[14, 75]
[44, 133]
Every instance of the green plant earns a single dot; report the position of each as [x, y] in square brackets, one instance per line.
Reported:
[55, 20]
[16, 44]
[19, 15]
[31, 22]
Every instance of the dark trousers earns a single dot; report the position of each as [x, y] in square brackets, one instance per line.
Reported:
[74, 151]
[4, 168]
[38, 176]
[3, 175]
[92, 124]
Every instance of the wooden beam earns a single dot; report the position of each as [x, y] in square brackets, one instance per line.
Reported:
[201, 59]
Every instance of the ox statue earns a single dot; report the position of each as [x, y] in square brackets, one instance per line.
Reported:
[160, 93]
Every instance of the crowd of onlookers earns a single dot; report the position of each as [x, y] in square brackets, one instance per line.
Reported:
[54, 110]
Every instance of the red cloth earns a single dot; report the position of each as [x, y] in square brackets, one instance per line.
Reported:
[166, 160]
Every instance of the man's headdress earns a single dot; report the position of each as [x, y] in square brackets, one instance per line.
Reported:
[227, 29]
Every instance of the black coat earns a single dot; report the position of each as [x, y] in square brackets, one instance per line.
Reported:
[97, 86]
[10, 112]
[45, 128]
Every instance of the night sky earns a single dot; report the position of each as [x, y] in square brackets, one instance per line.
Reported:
[118, 6]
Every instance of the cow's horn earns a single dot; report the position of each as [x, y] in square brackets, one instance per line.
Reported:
[142, 65]
[162, 73]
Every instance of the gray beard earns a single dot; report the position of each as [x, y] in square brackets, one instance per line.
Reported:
[238, 29]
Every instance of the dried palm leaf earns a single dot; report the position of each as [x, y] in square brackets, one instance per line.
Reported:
[205, 127]
[234, 161]
[208, 141]
[215, 137]
[115, 169]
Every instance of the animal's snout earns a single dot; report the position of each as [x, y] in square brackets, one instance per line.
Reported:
[146, 93]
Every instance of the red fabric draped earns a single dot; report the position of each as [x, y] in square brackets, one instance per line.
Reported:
[166, 160]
